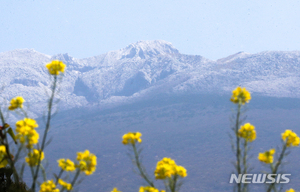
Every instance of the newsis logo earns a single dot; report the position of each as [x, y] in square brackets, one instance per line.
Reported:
[259, 178]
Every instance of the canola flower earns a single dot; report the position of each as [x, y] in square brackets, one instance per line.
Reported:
[87, 162]
[65, 185]
[167, 167]
[26, 124]
[66, 164]
[26, 132]
[247, 132]
[3, 156]
[33, 157]
[181, 171]
[16, 102]
[55, 67]
[131, 138]
[266, 157]
[32, 138]
[48, 186]
[291, 138]
[290, 190]
[149, 189]
[240, 95]
[115, 190]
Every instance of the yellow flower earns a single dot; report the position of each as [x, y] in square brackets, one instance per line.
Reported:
[32, 138]
[181, 171]
[48, 186]
[55, 67]
[87, 162]
[149, 189]
[291, 138]
[65, 185]
[115, 190]
[25, 125]
[290, 190]
[16, 102]
[266, 157]
[247, 132]
[26, 132]
[240, 95]
[33, 157]
[3, 156]
[131, 138]
[66, 165]
[167, 167]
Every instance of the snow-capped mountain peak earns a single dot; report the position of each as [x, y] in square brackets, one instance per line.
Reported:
[233, 57]
[145, 69]
[147, 49]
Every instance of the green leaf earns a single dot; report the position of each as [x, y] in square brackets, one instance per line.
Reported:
[22, 170]
[12, 134]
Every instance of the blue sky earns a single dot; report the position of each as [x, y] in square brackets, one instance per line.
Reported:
[213, 29]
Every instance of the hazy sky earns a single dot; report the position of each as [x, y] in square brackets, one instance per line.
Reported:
[211, 28]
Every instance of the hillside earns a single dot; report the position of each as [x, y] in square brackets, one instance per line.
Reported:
[144, 70]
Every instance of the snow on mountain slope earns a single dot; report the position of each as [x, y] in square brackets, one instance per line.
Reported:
[233, 57]
[24, 73]
[134, 68]
[145, 69]
[273, 73]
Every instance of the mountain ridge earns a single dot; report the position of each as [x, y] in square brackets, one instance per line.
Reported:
[145, 69]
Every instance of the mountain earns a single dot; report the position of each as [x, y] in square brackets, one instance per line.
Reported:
[191, 129]
[180, 103]
[144, 70]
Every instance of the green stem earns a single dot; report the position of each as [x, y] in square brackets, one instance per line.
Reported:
[275, 169]
[138, 164]
[18, 153]
[238, 150]
[22, 171]
[166, 183]
[10, 160]
[31, 167]
[24, 112]
[45, 132]
[44, 172]
[32, 171]
[59, 175]
[173, 188]
[75, 178]
[245, 163]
